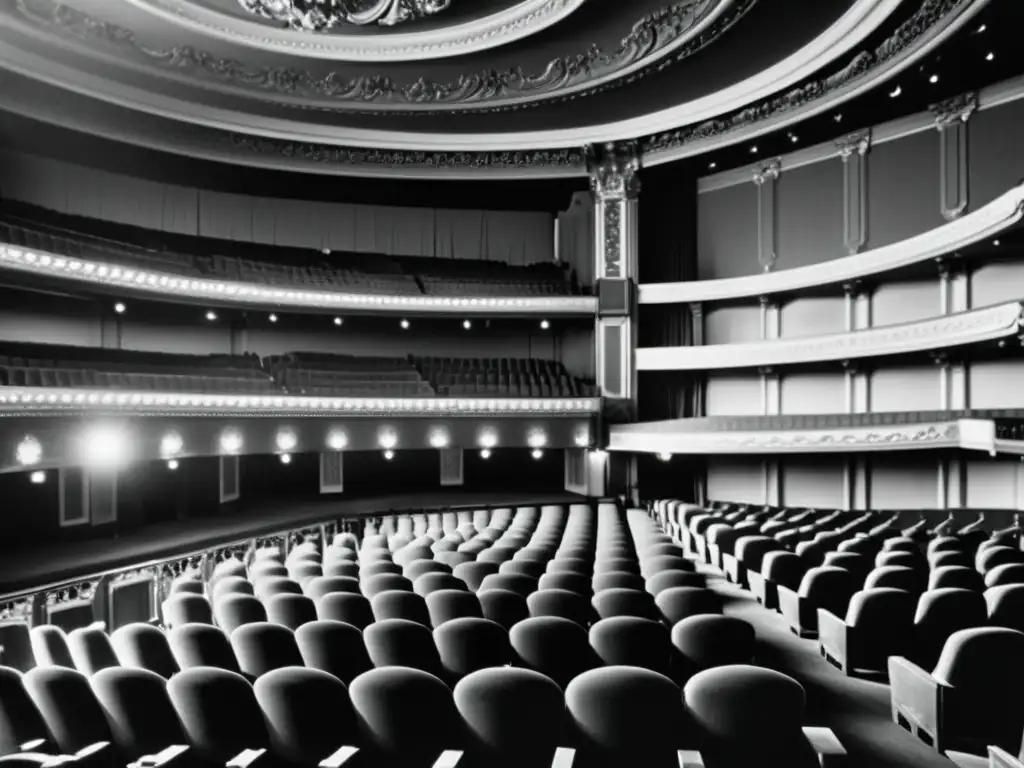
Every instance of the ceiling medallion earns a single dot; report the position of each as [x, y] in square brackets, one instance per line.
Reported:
[323, 15]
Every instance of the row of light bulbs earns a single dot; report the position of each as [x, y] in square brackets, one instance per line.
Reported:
[120, 308]
[106, 445]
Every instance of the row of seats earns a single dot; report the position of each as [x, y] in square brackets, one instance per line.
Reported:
[633, 709]
[938, 612]
[502, 377]
[356, 273]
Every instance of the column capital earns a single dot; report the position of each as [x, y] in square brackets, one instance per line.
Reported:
[614, 169]
[957, 109]
[858, 142]
[769, 170]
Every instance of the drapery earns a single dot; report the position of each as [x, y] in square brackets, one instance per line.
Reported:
[576, 236]
[514, 237]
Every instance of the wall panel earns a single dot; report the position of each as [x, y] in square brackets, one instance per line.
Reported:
[996, 283]
[905, 389]
[731, 325]
[995, 152]
[813, 315]
[809, 214]
[813, 481]
[727, 232]
[818, 392]
[736, 478]
[992, 483]
[738, 395]
[70, 327]
[904, 481]
[905, 302]
[996, 384]
[184, 340]
[903, 188]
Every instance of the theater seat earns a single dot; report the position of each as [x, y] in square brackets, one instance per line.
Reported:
[625, 602]
[447, 604]
[91, 650]
[202, 645]
[417, 568]
[821, 587]
[878, 623]
[333, 647]
[145, 647]
[668, 579]
[401, 643]
[1001, 575]
[777, 569]
[20, 720]
[571, 582]
[397, 604]
[186, 609]
[707, 641]
[468, 645]
[235, 610]
[316, 588]
[73, 715]
[955, 576]
[431, 582]
[1006, 606]
[290, 611]
[473, 573]
[678, 603]
[632, 641]
[350, 609]
[971, 699]
[940, 613]
[262, 647]
[50, 647]
[140, 713]
[503, 606]
[561, 602]
[554, 646]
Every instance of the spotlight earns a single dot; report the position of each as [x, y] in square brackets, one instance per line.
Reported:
[29, 451]
[467, 324]
[286, 441]
[389, 455]
[439, 439]
[286, 458]
[104, 446]
[211, 315]
[895, 92]
[488, 439]
[933, 79]
[712, 166]
[995, 243]
[338, 321]
[38, 477]
[582, 440]
[537, 439]
[982, 28]
[794, 138]
[544, 325]
[838, 117]
[171, 444]
[537, 453]
[387, 439]
[119, 308]
[231, 441]
[337, 440]
[753, 150]
[485, 453]
[664, 456]
[989, 56]
[172, 464]
[405, 325]
[273, 318]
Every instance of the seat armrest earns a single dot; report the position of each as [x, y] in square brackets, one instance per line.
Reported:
[339, 758]
[690, 758]
[564, 758]
[448, 759]
[245, 758]
[834, 636]
[823, 740]
[36, 745]
[915, 693]
[162, 759]
[966, 760]
[1000, 758]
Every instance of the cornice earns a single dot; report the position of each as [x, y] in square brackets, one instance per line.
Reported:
[963, 328]
[982, 224]
[96, 274]
[51, 401]
[683, 28]
[521, 20]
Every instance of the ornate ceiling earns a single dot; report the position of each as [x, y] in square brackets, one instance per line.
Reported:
[456, 87]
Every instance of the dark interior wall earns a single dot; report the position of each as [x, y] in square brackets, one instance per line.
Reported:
[903, 197]
[667, 224]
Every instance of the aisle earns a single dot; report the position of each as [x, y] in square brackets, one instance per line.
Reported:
[857, 710]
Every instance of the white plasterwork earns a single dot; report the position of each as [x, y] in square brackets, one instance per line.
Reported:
[507, 26]
[971, 327]
[154, 282]
[984, 223]
[863, 18]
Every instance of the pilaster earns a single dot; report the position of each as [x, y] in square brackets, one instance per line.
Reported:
[765, 178]
[853, 150]
[951, 118]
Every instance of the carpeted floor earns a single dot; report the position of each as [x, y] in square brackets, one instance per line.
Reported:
[856, 710]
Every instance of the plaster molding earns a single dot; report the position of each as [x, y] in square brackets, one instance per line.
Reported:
[971, 327]
[851, 439]
[957, 109]
[521, 20]
[152, 281]
[43, 401]
[982, 224]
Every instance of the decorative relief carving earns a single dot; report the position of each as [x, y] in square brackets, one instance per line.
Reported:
[136, 574]
[323, 15]
[19, 610]
[614, 179]
[81, 592]
[649, 37]
[858, 142]
[953, 110]
[928, 14]
[612, 241]
[768, 171]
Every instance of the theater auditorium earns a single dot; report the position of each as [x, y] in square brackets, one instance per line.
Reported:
[511, 384]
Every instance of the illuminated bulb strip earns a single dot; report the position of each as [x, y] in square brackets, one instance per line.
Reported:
[153, 281]
[59, 399]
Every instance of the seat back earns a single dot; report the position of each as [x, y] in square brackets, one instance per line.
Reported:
[73, 715]
[141, 716]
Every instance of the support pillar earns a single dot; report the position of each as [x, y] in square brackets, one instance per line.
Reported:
[951, 118]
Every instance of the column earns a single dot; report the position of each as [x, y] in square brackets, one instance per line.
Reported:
[332, 472]
[614, 180]
[856, 472]
[853, 150]
[951, 118]
[765, 177]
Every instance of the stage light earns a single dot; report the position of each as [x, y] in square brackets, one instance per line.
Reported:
[211, 315]
[544, 325]
[38, 477]
[537, 453]
[995, 243]
[29, 451]
[172, 464]
[439, 438]
[989, 56]
[337, 440]
[286, 458]
[982, 28]
[582, 440]
[712, 166]
[664, 456]
[794, 138]
[231, 441]
[753, 150]
[467, 324]
[338, 321]
[933, 79]
[104, 445]
[387, 439]
[389, 455]
[485, 453]
[838, 117]
[119, 308]
[405, 325]
[488, 438]
[273, 318]
[537, 439]
[171, 444]
[286, 440]
[895, 92]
